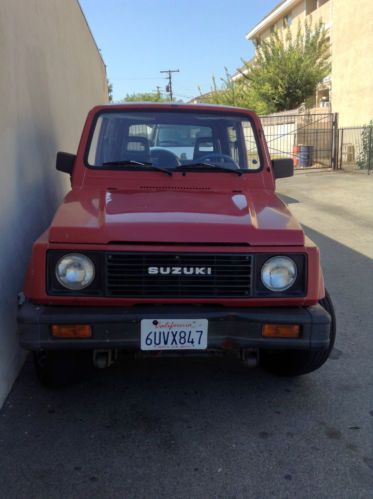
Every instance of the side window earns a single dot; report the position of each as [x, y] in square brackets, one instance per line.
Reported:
[232, 143]
[251, 146]
[140, 131]
[92, 156]
[105, 141]
[200, 131]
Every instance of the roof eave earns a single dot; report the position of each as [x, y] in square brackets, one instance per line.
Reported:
[282, 8]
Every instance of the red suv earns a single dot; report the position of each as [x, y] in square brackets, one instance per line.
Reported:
[172, 239]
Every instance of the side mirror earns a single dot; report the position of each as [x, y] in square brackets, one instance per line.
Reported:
[65, 162]
[283, 167]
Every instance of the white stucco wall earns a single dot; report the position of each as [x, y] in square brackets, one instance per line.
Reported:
[352, 62]
[51, 75]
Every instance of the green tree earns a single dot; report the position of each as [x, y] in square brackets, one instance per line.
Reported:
[287, 69]
[233, 92]
[365, 156]
[145, 97]
[109, 90]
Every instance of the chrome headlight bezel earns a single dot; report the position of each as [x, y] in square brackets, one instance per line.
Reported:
[87, 271]
[278, 262]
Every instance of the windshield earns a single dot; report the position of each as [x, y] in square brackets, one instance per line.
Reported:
[173, 140]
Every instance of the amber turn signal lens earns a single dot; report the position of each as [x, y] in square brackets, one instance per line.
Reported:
[281, 330]
[71, 331]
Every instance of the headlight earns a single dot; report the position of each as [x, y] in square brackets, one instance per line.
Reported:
[75, 271]
[279, 273]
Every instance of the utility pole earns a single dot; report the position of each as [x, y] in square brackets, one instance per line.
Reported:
[169, 86]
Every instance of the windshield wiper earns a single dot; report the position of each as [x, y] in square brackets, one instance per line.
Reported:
[132, 162]
[211, 165]
[125, 162]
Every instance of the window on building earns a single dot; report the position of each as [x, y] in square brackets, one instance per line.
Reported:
[311, 5]
[272, 28]
[286, 20]
[323, 98]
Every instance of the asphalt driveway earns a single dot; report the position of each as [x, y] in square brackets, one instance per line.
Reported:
[208, 429]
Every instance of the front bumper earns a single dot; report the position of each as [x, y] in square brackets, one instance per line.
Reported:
[118, 328]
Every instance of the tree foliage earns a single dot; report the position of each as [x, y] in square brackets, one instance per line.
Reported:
[233, 92]
[365, 157]
[109, 90]
[145, 97]
[283, 75]
[287, 69]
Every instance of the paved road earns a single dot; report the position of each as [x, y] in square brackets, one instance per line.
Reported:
[198, 429]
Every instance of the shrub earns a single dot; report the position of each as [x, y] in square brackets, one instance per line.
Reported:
[365, 157]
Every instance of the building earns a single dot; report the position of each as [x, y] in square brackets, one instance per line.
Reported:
[52, 74]
[201, 98]
[352, 61]
[347, 90]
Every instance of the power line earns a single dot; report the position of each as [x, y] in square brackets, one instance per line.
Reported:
[169, 86]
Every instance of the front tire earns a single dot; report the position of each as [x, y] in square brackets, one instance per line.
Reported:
[299, 362]
[57, 369]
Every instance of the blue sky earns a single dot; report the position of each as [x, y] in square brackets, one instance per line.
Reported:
[139, 38]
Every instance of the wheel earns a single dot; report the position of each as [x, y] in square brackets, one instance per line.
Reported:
[56, 369]
[221, 158]
[298, 362]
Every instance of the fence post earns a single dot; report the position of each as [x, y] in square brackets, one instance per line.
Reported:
[341, 150]
[334, 158]
[370, 148]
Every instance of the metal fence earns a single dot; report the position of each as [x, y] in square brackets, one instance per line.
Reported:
[310, 139]
[356, 149]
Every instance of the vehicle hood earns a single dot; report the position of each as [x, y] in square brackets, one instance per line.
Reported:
[104, 216]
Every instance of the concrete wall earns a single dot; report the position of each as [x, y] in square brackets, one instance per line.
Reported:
[51, 75]
[352, 62]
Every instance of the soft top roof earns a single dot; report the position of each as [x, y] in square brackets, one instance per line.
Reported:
[174, 107]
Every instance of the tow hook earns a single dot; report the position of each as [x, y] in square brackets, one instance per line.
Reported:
[250, 357]
[104, 358]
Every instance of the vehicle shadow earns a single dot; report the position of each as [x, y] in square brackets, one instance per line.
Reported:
[287, 199]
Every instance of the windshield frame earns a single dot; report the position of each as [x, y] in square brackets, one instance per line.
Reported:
[231, 113]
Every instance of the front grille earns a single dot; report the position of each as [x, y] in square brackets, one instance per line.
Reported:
[127, 275]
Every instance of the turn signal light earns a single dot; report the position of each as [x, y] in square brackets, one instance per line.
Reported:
[71, 331]
[281, 330]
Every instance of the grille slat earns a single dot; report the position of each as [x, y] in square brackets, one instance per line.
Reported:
[127, 275]
[176, 264]
[229, 279]
[176, 285]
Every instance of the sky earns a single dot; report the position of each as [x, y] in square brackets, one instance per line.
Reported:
[140, 38]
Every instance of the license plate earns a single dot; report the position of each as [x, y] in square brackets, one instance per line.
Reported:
[174, 334]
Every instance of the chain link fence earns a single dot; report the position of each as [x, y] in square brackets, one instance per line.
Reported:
[356, 149]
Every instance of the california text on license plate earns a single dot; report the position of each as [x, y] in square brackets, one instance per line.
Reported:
[174, 334]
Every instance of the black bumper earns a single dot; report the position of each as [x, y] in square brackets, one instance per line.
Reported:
[120, 328]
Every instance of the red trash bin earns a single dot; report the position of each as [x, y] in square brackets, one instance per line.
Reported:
[296, 150]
